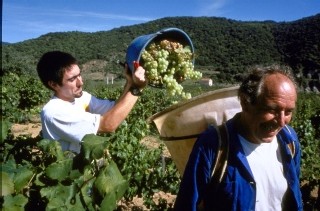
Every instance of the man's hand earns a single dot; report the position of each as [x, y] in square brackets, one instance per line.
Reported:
[139, 78]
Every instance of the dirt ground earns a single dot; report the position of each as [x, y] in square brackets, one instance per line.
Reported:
[32, 129]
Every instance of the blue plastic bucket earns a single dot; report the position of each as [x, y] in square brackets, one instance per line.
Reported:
[137, 46]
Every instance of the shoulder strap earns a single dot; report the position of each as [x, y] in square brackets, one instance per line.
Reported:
[221, 155]
[220, 163]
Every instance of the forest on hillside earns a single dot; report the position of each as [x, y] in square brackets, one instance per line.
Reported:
[223, 46]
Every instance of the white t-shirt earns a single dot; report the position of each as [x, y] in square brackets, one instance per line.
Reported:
[266, 166]
[69, 122]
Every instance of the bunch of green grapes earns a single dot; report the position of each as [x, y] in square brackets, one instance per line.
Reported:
[167, 64]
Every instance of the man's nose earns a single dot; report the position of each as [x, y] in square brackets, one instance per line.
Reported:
[281, 118]
[79, 80]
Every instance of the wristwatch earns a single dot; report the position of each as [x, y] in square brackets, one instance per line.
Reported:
[136, 91]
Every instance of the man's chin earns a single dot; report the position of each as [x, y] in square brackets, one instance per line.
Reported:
[78, 94]
[268, 137]
[267, 140]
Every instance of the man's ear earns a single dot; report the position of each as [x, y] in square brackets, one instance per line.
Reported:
[53, 85]
[244, 103]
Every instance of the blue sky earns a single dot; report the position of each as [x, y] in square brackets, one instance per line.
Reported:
[28, 19]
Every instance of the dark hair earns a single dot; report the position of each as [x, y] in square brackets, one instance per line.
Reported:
[252, 85]
[52, 66]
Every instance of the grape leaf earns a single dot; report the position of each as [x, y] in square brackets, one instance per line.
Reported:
[110, 185]
[59, 170]
[93, 146]
[14, 203]
[22, 178]
[7, 185]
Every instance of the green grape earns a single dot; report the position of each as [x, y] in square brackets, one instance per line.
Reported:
[167, 64]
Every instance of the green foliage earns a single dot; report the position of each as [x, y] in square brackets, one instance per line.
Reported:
[20, 96]
[306, 124]
[299, 44]
[147, 170]
[37, 175]
[5, 127]
[221, 45]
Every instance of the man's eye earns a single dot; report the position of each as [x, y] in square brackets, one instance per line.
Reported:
[74, 78]
[271, 111]
[71, 79]
[288, 113]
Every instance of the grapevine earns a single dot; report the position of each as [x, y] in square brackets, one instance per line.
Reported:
[167, 64]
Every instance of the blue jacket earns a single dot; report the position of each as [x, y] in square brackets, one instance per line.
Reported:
[237, 191]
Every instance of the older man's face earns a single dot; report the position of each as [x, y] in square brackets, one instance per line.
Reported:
[273, 109]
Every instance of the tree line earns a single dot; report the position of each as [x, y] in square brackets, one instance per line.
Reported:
[222, 45]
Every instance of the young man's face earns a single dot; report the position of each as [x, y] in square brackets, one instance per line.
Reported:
[273, 109]
[71, 84]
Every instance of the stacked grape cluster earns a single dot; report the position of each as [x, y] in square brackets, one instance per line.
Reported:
[167, 64]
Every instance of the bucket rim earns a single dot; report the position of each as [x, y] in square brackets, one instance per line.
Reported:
[165, 30]
[172, 107]
[153, 36]
[162, 31]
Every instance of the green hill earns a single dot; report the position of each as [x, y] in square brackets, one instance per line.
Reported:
[221, 45]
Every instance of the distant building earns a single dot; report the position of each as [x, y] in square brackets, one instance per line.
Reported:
[206, 81]
[110, 78]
